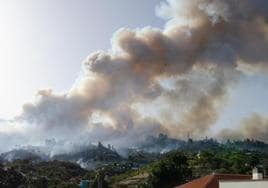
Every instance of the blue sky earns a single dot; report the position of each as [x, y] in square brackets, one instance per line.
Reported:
[250, 96]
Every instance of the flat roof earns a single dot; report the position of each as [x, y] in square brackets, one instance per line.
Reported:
[251, 180]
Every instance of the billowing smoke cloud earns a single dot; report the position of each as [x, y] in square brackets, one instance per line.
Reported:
[181, 74]
[254, 127]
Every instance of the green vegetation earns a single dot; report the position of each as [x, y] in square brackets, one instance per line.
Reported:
[142, 169]
[196, 159]
[170, 171]
[43, 174]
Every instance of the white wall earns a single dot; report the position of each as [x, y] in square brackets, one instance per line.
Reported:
[244, 184]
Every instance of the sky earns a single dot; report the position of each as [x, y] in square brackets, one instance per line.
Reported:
[56, 45]
[246, 98]
[43, 44]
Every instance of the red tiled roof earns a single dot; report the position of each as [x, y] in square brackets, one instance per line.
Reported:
[212, 181]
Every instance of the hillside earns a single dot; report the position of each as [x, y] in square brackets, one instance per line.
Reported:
[146, 165]
[43, 174]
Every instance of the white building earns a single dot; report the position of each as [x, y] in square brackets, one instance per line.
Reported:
[256, 180]
[244, 184]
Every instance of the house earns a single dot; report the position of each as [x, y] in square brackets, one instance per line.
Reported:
[228, 181]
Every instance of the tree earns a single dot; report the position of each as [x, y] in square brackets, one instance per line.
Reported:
[172, 170]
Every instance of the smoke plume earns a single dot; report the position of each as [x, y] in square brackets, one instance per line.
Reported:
[174, 80]
[253, 127]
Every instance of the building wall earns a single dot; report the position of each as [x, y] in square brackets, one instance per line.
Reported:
[244, 184]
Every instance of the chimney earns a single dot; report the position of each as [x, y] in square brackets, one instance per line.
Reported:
[256, 175]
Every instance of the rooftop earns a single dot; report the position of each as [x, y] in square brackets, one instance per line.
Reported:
[212, 181]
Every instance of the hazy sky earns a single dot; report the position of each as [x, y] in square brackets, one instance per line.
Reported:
[43, 44]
